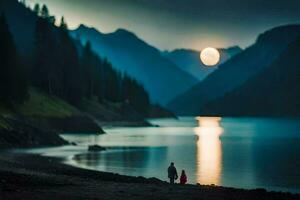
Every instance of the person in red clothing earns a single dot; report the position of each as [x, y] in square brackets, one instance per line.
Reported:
[183, 178]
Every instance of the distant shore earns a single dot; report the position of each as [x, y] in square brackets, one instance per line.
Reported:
[19, 131]
[27, 176]
[125, 124]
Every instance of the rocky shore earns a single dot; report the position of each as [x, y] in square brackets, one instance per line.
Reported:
[16, 132]
[24, 176]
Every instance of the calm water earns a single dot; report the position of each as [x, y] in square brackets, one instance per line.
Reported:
[238, 152]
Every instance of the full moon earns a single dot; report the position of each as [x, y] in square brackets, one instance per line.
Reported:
[210, 56]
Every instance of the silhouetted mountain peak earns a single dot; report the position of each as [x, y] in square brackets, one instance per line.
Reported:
[272, 92]
[277, 33]
[189, 60]
[122, 31]
[124, 34]
[236, 47]
[129, 53]
[237, 70]
[233, 50]
[120, 34]
[181, 50]
[84, 28]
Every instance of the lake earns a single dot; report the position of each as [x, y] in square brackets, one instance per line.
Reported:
[235, 152]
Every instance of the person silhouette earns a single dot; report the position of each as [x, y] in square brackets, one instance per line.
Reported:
[183, 177]
[172, 173]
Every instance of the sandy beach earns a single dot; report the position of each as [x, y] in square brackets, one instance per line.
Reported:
[27, 176]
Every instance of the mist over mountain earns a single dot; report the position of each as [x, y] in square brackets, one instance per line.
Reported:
[189, 60]
[128, 53]
[273, 92]
[237, 70]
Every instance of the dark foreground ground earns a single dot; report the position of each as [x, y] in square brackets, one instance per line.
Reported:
[34, 177]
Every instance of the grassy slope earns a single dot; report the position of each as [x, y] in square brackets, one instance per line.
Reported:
[39, 105]
[101, 111]
[113, 114]
[4, 124]
[43, 105]
[35, 122]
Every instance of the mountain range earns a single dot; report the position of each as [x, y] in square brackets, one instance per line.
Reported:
[236, 71]
[177, 78]
[163, 75]
[128, 53]
[273, 92]
[189, 61]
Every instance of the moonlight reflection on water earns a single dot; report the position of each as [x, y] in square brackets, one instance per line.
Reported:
[208, 150]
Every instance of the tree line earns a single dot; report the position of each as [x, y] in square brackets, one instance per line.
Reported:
[61, 66]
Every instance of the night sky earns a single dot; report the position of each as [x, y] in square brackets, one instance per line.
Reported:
[169, 24]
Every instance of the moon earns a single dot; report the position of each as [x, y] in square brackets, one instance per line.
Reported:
[210, 56]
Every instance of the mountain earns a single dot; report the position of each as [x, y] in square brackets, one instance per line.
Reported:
[128, 53]
[54, 63]
[275, 91]
[236, 70]
[22, 23]
[189, 61]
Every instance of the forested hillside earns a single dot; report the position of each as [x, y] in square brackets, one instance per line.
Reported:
[51, 83]
[60, 66]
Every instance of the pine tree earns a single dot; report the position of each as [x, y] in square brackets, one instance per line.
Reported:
[70, 66]
[111, 83]
[45, 12]
[99, 79]
[88, 68]
[135, 95]
[45, 71]
[63, 24]
[13, 86]
[37, 9]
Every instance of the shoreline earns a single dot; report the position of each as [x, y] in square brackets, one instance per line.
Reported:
[39, 177]
[108, 124]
